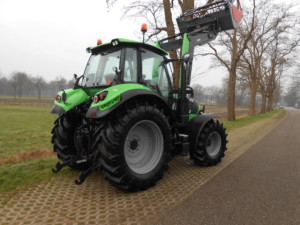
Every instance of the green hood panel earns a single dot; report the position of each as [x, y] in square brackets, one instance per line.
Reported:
[74, 97]
[92, 91]
[114, 94]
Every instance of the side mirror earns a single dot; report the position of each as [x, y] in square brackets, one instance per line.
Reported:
[77, 80]
[116, 70]
[186, 57]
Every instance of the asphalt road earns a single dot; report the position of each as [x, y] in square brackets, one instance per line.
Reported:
[260, 187]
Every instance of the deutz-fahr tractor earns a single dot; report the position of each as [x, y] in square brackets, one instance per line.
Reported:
[124, 116]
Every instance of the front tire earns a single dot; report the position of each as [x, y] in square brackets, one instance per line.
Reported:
[210, 145]
[134, 146]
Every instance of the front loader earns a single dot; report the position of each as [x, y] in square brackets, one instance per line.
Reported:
[123, 115]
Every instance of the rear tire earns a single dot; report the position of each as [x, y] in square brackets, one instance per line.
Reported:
[63, 139]
[211, 144]
[134, 146]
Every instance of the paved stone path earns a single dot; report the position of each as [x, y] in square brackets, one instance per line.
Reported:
[60, 201]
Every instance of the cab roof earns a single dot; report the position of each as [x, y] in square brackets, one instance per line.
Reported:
[126, 43]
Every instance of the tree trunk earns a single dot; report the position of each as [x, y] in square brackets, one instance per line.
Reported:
[39, 93]
[263, 102]
[20, 92]
[270, 103]
[231, 95]
[232, 79]
[15, 92]
[253, 91]
[187, 5]
[171, 32]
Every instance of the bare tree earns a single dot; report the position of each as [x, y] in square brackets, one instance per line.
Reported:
[17, 81]
[280, 57]
[4, 86]
[61, 83]
[292, 97]
[13, 81]
[70, 83]
[271, 20]
[235, 42]
[39, 83]
[198, 92]
[21, 80]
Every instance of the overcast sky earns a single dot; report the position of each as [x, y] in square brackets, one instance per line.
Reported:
[49, 38]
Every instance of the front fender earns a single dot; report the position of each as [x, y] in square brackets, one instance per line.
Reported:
[195, 126]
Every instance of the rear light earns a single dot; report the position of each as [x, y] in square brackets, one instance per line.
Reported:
[96, 99]
[58, 98]
[100, 97]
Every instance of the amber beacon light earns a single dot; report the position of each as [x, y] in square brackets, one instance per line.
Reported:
[144, 29]
[99, 42]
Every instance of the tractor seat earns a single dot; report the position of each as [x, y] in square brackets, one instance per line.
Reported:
[109, 78]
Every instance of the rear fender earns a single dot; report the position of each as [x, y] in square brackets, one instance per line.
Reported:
[100, 110]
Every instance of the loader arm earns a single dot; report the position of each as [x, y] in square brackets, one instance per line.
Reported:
[198, 27]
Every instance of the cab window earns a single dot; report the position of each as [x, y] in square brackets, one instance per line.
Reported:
[100, 68]
[154, 72]
[130, 67]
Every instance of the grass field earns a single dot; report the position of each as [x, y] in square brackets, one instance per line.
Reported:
[24, 128]
[24, 138]
[25, 149]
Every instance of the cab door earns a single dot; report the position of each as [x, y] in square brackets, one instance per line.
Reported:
[155, 74]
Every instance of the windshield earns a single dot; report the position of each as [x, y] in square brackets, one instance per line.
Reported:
[100, 68]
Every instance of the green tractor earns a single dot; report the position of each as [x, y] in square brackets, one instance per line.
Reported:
[123, 115]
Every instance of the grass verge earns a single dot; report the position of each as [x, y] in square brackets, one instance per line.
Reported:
[277, 114]
[19, 175]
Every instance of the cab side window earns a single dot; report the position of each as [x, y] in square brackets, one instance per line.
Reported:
[130, 68]
[154, 72]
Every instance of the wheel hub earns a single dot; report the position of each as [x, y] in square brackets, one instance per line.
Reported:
[134, 144]
[143, 147]
[208, 143]
[213, 143]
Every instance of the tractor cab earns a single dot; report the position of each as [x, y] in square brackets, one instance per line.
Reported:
[124, 61]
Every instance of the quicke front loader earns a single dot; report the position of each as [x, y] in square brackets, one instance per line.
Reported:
[123, 115]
